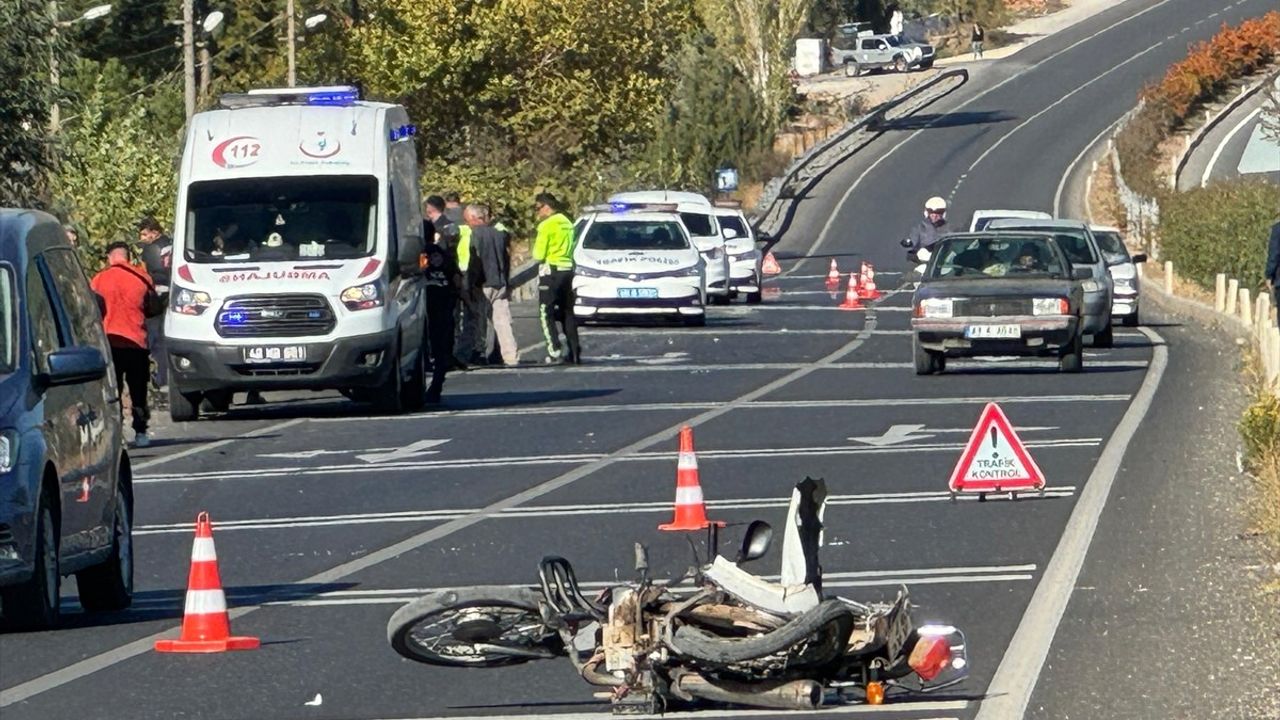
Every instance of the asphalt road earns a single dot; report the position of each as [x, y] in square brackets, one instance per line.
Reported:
[327, 519]
[1236, 147]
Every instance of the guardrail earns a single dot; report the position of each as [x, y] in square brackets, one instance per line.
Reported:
[1196, 138]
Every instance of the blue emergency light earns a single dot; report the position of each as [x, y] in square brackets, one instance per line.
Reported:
[339, 98]
[234, 317]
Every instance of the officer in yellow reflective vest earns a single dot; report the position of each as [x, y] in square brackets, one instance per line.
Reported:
[553, 249]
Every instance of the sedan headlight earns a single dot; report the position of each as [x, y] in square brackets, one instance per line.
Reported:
[588, 272]
[1091, 286]
[691, 271]
[1050, 306]
[747, 255]
[8, 450]
[1125, 285]
[363, 297]
[935, 308]
[189, 302]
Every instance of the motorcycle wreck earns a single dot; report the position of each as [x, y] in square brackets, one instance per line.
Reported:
[718, 634]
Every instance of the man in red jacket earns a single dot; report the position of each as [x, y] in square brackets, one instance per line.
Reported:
[125, 291]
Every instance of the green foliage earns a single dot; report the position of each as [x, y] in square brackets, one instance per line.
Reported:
[987, 12]
[1220, 229]
[27, 158]
[1260, 427]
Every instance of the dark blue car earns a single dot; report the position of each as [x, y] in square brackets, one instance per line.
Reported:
[66, 500]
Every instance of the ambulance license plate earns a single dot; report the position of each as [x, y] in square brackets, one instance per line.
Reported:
[994, 332]
[637, 293]
[275, 354]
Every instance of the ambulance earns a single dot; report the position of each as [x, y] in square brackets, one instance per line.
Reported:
[297, 234]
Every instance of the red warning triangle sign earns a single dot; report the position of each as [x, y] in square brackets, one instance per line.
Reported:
[995, 459]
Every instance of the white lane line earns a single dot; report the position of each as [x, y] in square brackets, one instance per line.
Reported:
[1217, 152]
[853, 187]
[622, 368]
[757, 405]
[1062, 185]
[1015, 679]
[543, 511]
[893, 708]
[588, 459]
[216, 444]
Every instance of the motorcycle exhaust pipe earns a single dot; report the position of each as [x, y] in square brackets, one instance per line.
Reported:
[793, 695]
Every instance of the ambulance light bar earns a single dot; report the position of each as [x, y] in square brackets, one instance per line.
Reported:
[332, 96]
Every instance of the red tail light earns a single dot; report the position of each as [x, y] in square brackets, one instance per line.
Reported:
[930, 657]
[1064, 307]
[184, 272]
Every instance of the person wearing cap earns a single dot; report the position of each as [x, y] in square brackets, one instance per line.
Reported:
[157, 257]
[127, 295]
[932, 227]
[553, 249]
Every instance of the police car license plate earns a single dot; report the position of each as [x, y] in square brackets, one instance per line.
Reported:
[276, 354]
[994, 332]
[637, 293]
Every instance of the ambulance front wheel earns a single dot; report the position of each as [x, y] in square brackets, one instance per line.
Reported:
[183, 406]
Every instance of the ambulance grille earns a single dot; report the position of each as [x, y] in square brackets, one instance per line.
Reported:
[247, 316]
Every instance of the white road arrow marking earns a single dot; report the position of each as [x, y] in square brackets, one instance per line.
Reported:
[304, 454]
[422, 447]
[909, 433]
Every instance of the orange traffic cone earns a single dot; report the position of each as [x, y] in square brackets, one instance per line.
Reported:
[833, 277]
[851, 295]
[868, 290]
[771, 266]
[691, 514]
[205, 625]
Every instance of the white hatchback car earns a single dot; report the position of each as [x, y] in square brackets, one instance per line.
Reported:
[745, 274]
[982, 218]
[696, 212]
[634, 261]
[1124, 271]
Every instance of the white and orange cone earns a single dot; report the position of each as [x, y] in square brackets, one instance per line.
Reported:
[690, 512]
[851, 295]
[206, 627]
[868, 290]
[833, 277]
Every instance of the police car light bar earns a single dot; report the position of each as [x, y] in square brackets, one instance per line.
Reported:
[621, 207]
[735, 204]
[333, 95]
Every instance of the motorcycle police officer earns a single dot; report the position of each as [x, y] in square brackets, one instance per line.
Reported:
[442, 282]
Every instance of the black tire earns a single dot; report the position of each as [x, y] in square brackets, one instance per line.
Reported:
[926, 65]
[109, 585]
[33, 605]
[183, 406]
[901, 65]
[1072, 360]
[694, 320]
[754, 298]
[1130, 320]
[701, 645]
[719, 299]
[415, 390]
[515, 606]
[852, 68]
[216, 401]
[927, 362]
[1106, 338]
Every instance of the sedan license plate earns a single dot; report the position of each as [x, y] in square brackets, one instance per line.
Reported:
[637, 293]
[276, 354]
[994, 332]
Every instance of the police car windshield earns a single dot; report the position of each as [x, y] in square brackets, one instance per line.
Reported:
[8, 322]
[699, 224]
[635, 235]
[1002, 256]
[280, 219]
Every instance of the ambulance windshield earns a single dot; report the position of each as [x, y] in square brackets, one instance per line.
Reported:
[280, 219]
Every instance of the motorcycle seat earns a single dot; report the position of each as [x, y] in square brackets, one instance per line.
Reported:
[772, 597]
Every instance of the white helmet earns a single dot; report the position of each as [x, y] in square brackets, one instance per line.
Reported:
[935, 204]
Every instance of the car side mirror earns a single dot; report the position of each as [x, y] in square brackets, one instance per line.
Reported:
[74, 366]
[905, 242]
[1081, 273]
[763, 238]
[729, 233]
[1139, 258]
[755, 543]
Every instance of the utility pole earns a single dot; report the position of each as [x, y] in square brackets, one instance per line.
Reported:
[55, 113]
[189, 57]
[206, 72]
[293, 39]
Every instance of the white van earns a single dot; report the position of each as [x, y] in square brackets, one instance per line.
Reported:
[297, 218]
[704, 230]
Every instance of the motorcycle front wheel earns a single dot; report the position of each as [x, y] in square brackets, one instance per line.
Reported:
[473, 627]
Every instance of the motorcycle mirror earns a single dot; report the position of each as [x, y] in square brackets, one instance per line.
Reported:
[905, 242]
[755, 543]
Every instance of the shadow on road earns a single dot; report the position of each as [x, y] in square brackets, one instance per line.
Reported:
[947, 120]
[168, 604]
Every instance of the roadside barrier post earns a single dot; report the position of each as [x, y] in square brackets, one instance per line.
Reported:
[1273, 345]
[1220, 292]
[1233, 291]
[1168, 277]
[1246, 307]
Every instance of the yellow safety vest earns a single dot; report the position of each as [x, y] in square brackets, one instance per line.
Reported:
[464, 247]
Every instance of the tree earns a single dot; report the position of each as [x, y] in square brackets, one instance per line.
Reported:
[759, 38]
[1271, 109]
[27, 156]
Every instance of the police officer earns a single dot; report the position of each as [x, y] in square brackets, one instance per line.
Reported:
[442, 281]
[553, 249]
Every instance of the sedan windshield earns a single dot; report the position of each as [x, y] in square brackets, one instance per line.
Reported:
[1112, 246]
[635, 235]
[988, 257]
[8, 322]
[734, 223]
[699, 224]
[266, 219]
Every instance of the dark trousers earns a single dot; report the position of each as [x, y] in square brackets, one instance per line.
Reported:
[155, 341]
[133, 369]
[1276, 289]
[470, 335]
[555, 298]
[439, 337]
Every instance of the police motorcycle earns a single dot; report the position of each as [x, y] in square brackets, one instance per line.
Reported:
[716, 634]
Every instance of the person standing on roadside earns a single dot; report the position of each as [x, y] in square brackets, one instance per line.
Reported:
[448, 237]
[976, 38]
[440, 275]
[1273, 266]
[453, 209]
[157, 258]
[489, 247]
[896, 22]
[129, 297]
[553, 249]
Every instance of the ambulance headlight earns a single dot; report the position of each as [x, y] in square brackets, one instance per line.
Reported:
[189, 302]
[363, 297]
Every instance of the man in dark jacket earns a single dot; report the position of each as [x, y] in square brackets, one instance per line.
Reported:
[440, 274]
[157, 258]
[489, 247]
[1273, 266]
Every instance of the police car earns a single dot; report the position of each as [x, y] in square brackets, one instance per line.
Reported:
[697, 214]
[637, 260]
[745, 274]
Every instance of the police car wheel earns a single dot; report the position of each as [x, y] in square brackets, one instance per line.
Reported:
[694, 320]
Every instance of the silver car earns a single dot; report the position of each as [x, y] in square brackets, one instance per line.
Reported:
[1081, 247]
[1124, 272]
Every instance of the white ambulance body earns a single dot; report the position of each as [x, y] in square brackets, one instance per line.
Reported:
[296, 212]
